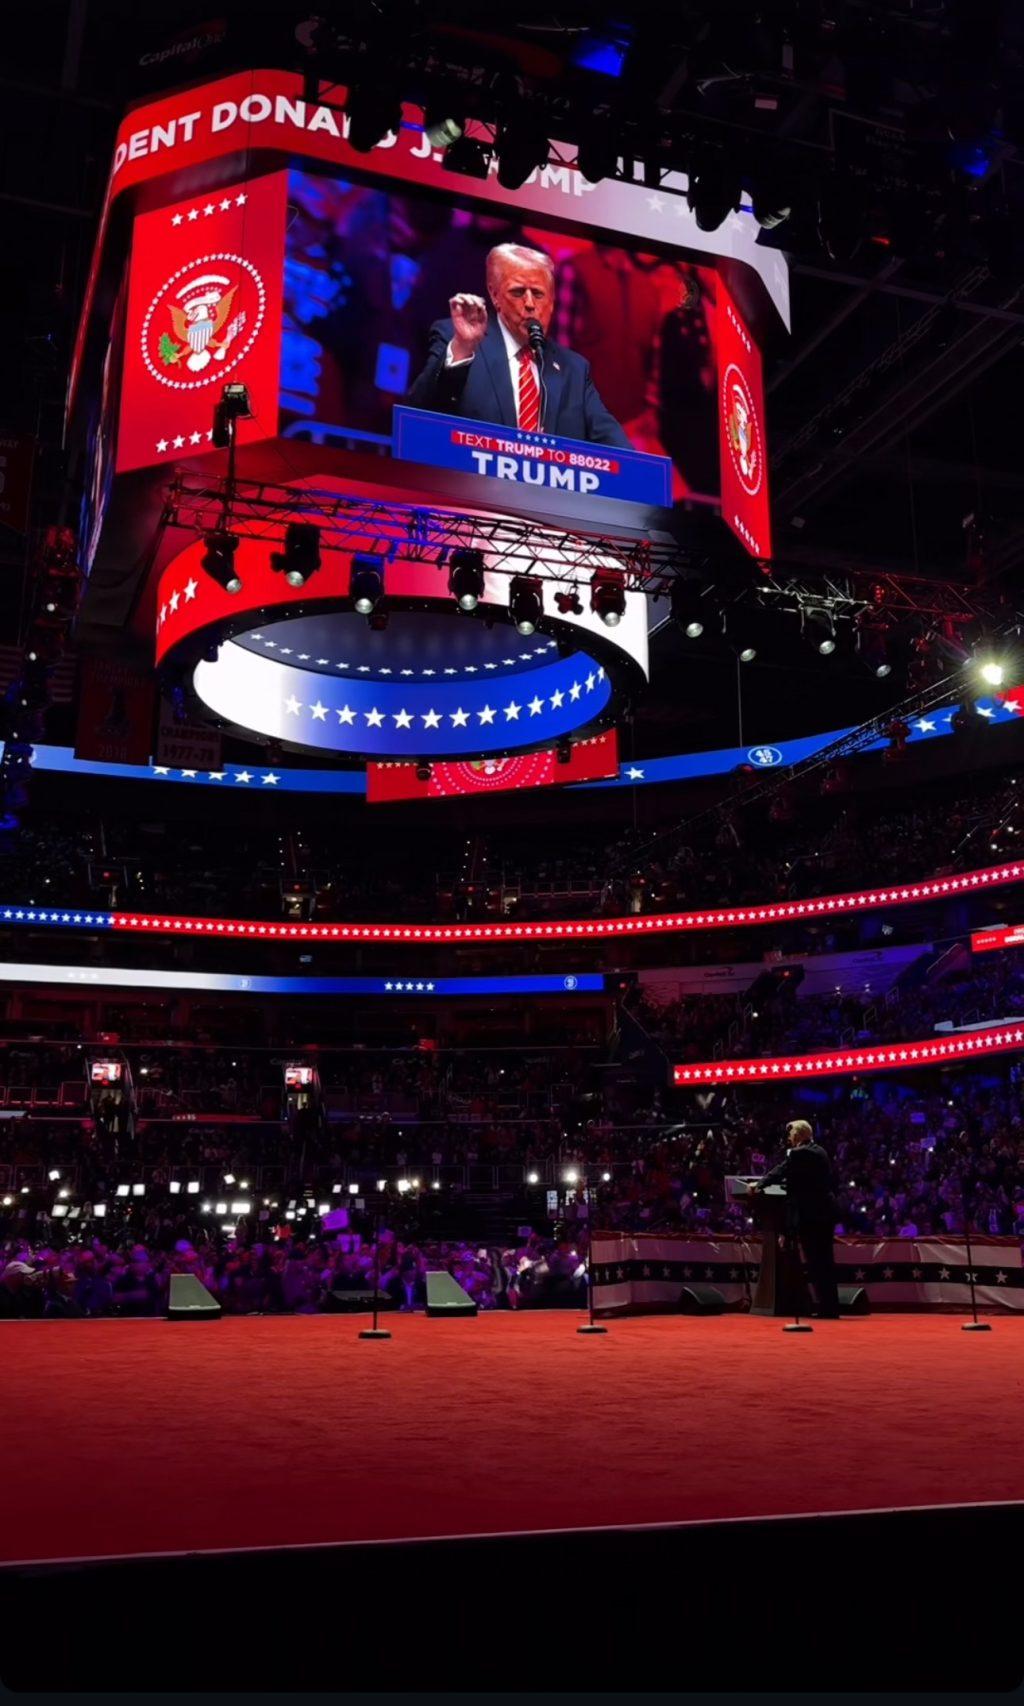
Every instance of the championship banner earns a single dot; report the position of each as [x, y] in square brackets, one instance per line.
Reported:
[115, 711]
[742, 440]
[640, 1273]
[181, 744]
[204, 307]
[589, 759]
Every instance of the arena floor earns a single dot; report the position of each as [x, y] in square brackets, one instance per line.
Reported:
[142, 1437]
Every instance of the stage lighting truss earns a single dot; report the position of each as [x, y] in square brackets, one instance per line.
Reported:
[482, 635]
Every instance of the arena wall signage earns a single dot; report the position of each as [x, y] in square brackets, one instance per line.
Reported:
[246, 983]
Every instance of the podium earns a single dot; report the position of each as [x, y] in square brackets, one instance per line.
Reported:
[781, 1286]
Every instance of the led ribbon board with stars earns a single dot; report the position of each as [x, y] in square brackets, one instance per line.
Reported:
[300, 667]
[944, 1050]
[567, 929]
[249, 983]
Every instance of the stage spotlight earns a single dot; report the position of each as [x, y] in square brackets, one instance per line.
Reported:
[374, 111]
[466, 578]
[424, 771]
[403, 1186]
[605, 1178]
[8, 1201]
[521, 148]
[366, 586]
[301, 555]
[688, 609]
[873, 643]
[59, 1210]
[138, 1190]
[353, 1190]
[440, 128]
[571, 1177]
[713, 192]
[241, 1207]
[122, 1190]
[99, 1209]
[63, 1195]
[533, 1178]
[221, 1208]
[382, 1184]
[608, 596]
[53, 1175]
[568, 603]
[175, 1187]
[741, 636]
[597, 154]
[563, 750]
[192, 1188]
[218, 559]
[771, 204]
[525, 603]
[469, 158]
[992, 673]
[820, 630]
[234, 406]
[435, 1184]
[229, 1178]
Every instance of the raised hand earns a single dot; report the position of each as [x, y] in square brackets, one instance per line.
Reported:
[469, 321]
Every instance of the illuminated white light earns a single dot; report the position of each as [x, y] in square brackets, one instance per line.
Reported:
[192, 1188]
[353, 1190]
[54, 1173]
[138, 1190]
[605, 1177]
[175, 1187]
[533, 1179]
[323, 1208]
[122, 1190]
[241, 1207]
[403, 1186]
[229, 1178]
[571, 1177]
[63, 1195]
[99, 1209]
[435, 1185]
[382, 1184]
[992, 673]
[222, 1208]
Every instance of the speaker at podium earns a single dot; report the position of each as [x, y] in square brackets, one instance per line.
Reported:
[781, 1287]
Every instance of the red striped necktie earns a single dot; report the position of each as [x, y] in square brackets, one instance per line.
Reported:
[529, 392]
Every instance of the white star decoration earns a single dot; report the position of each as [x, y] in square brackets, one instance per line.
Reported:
[374, 718]
[486, 715]
[346, 715]
[432, 719]
[402, 720]
[319, 712]
[460, 718]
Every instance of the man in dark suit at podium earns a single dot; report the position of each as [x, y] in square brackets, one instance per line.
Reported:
[806, 1173]
[505, 369]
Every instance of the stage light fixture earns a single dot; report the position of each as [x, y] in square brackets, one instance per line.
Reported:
[241, 1207]
[366, 585]
[374, 111]
[568, 603]
[353, 1190]
[435, 1184]
[403, 1186]
[713, 192]
[7, 1202]
[533, 1178]
[571, 1177]
[992, 673]
[221, 1208]
[175, 1187]
[440, 127]
[192, 1188]
[771, 202]
[872, 641]
[688, 609]
[234, 406]
[301, 555]
[229, 1178]
[525, 603]
[53, 1175]
[99, 1209]
[138, 1190]
[597, 154]
[466, 578]
[63, 1195]
[424, 770]
[741, 636]
[122, 1190]
[819, 629]
[608, 596]
[471, 159]
[522, 148]
[563, 750]
[218, 559]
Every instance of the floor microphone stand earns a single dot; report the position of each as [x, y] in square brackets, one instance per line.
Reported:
[974, 1325]
[376, 1331]
[591, 1326]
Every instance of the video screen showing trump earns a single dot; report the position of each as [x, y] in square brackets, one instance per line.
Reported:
[398, 302]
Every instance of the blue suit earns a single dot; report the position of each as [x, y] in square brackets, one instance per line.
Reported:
[481, 390]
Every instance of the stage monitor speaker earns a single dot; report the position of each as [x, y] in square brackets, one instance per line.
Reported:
[701, 1300]
[189, 1300]
[853, 1300]
[445, 1296]
[356, 1302]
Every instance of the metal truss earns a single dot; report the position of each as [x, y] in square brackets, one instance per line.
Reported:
[259, 510]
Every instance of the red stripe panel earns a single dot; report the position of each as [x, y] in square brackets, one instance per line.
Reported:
[888, 1057]
[864, 900]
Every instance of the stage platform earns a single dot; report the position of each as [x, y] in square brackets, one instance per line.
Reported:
[271, 1436]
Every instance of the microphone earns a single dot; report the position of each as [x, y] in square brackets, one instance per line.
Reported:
[535, 333]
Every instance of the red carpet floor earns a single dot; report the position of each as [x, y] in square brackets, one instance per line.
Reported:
[129, 1437]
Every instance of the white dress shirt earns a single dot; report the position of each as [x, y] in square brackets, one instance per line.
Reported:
[512, 354]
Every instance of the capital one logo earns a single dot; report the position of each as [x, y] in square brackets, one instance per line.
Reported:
[765, 757]
[204, 318]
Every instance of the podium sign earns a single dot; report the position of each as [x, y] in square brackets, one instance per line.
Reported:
[534, 460]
